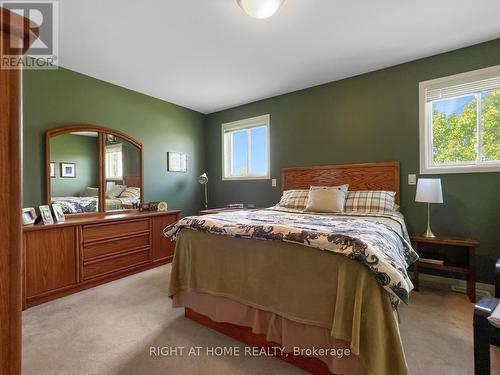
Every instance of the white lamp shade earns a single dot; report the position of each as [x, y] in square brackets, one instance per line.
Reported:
[429, 190]
[260, 8]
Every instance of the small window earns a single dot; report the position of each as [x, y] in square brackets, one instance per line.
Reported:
[460, 123]
[246, 149]
[114, 162]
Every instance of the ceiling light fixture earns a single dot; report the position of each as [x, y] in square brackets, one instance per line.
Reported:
[260, 8]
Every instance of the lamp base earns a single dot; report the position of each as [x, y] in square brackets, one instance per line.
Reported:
[428, 233]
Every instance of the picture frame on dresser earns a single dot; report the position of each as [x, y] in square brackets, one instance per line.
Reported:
[46, 214]
[58, 213]
[29, 215]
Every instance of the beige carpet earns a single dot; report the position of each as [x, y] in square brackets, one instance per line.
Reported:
[109, 330]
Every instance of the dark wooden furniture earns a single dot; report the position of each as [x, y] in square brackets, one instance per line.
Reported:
[485, 333]
[453, 244]
[368, 176]
[64, 258]
[17, 33]
[102, 132]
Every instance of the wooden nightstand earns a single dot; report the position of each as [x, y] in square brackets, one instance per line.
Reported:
[453, 244]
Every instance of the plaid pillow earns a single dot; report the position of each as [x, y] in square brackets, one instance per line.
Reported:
[378, 202]
[294, 199]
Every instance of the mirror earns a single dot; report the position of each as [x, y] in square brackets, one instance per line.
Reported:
[122, 173]
[74, 171]
[93, 169]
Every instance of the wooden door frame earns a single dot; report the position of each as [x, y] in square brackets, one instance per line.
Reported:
[24, 32]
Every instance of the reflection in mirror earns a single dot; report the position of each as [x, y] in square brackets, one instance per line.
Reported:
[74, 171]
[123, 174]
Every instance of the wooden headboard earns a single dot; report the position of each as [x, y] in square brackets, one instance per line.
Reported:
[367, 176]
[132, 181]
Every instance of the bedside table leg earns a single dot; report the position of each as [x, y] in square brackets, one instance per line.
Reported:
[415, 276]
[471, 280]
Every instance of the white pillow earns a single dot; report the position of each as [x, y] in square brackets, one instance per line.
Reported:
[326, 198]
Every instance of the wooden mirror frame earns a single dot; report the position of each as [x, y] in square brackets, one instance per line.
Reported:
[101, 133]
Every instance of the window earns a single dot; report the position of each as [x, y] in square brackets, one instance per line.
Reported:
[246, 149]
[114, 162]
[460, 123]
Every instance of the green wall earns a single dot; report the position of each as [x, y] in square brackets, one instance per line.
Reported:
[78, 149]
[53, 98]
[368, 118]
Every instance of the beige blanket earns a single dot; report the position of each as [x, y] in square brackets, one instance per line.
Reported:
[300, 283]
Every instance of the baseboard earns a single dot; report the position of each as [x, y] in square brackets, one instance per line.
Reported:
[456, 285]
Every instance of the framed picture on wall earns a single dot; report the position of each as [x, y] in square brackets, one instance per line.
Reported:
[68, 170]
[52, 169]
[176, 162]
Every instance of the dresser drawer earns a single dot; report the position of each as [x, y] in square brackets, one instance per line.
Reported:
[114, 246]
[100, 267]
[117, 229]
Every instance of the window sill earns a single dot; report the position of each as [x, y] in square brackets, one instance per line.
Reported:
[460, 169]
[246, 178]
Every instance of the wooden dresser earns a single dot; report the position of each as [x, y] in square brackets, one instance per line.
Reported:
[63, 258]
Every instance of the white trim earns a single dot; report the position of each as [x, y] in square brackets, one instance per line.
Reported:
[461, 78]
[245, 124]
[425, 136]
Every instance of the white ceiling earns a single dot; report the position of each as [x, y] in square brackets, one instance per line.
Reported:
[208, 55]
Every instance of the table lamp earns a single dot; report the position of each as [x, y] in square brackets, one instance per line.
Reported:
[203, 179]
[429, 191]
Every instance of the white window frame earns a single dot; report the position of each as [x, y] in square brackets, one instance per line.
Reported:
[111, 149]
[245, 124]
[425, 119]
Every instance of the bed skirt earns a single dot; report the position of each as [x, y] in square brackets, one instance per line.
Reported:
[295, 338]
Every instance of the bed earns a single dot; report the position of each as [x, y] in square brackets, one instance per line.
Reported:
[319, 290]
